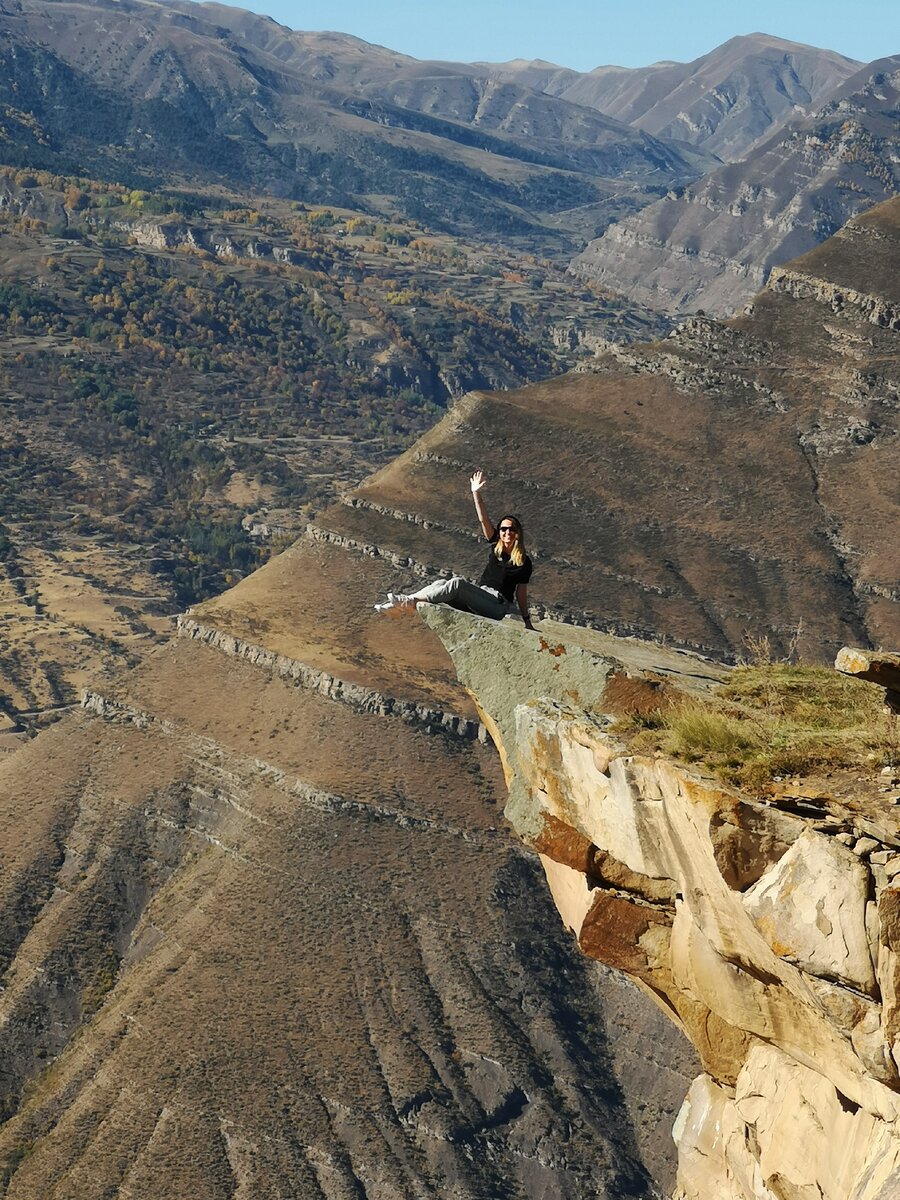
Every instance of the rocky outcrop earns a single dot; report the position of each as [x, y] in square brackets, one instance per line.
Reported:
[880, 668]
[179, 234]
[363, 700]
[768, 936]
[874, 309]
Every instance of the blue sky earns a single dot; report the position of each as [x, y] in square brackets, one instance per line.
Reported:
[584, 34]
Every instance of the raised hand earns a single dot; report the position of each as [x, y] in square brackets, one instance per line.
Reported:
[477, 482]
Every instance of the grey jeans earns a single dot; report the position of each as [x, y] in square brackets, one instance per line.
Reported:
[460, 593]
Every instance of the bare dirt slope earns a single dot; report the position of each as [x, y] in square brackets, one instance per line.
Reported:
[733, 481]
[267, 932]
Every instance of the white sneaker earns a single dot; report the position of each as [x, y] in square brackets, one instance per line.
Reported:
[394, 600]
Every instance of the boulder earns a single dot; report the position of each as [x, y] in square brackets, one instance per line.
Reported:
[811, 909]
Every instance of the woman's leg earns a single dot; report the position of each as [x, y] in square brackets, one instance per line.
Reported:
[460, 593]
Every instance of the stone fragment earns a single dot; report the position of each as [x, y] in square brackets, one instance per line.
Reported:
[607, 871]
[747, 840]
[811, 909]
[889, 967]
[786, 1132]
[716, 1159]
[612, 931]
[865, 846]
[875, 666]
[812, 1142]
[570, 891]
[565, 845]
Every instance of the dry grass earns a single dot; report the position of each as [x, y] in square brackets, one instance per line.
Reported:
[773, 720]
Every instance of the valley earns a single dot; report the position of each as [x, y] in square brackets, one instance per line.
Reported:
[267, 299]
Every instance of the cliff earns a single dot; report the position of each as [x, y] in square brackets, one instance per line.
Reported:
[766, 927]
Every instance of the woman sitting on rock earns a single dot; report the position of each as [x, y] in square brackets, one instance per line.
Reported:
[504, 581]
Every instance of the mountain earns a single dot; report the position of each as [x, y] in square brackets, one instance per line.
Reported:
[206, 94]
[727, 483]
[185, 378]
[712, 245]
[198, 95]
[723, 103]
[262, 928]
[263, 932]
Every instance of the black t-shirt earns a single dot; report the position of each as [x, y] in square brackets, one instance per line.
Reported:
[503, 575]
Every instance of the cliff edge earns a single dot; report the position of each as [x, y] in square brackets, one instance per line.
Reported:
[766, 926]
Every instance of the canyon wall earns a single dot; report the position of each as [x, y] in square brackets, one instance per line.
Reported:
[768, 930]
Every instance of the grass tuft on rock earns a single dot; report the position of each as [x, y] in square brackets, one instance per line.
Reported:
[772, 720]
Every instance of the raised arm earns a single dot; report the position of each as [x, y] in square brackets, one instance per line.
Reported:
[476, 483]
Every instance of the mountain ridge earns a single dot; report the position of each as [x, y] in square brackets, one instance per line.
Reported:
[701, 102]
[264, 116]
[263, 934]
[711, 245]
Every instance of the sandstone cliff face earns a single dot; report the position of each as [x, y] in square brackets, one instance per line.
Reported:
[768, 935]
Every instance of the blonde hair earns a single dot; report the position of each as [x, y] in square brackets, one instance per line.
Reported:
[517, 553]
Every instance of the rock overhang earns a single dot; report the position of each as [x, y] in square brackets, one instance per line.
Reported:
[766, 939]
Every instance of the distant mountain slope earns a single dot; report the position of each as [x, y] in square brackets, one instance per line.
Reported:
[711, 246]
[731, 480]
[209, 93]
[722, 103]
[169, 368]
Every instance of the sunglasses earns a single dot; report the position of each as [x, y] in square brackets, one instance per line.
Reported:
[507, 529]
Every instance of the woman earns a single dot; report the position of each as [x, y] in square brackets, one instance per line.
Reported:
[503, 583]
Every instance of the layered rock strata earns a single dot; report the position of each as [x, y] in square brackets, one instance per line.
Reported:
[769, 937]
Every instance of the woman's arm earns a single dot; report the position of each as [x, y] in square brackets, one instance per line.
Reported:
[522, 601]
[476, 483]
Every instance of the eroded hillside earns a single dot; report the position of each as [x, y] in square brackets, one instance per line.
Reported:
[185, 378]
[732, 481]
[265, 930]
[710, 246]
